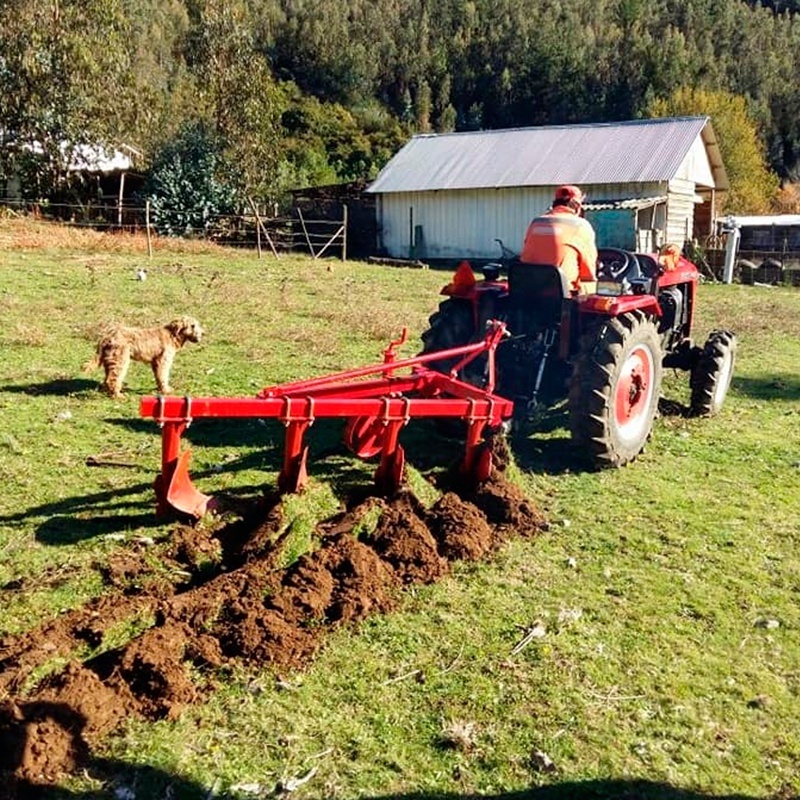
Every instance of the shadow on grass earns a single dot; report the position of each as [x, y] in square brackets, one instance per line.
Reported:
[552, 455]
[548, 450]
[609, 789]
[543, 444]
[62, 529]
[58, 387]
[79, 506]
[74, 519]
[672, 408]
[776, 387]
[232, 432]
[428, 445]
[121, 780]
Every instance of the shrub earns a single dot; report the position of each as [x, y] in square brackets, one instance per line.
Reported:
[186, 186]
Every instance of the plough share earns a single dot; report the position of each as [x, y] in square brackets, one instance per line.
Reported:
[376, 402]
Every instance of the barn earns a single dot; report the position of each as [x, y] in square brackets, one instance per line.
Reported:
[451, 196]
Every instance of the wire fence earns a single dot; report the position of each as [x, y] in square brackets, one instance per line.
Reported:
[255, 228]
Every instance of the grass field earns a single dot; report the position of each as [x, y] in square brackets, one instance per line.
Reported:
[669, 591]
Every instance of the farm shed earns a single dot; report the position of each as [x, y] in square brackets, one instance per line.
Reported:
[648, 182]
[95, 181]
[762, 249]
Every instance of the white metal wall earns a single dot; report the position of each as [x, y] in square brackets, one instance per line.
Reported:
[680, 210]
[465, 223]
[457, 224]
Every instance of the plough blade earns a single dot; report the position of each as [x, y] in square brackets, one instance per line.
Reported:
[294, 476]
[390, 473]
[181, 494]
[482, 469]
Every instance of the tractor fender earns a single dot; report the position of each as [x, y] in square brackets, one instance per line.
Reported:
[614, 306]
[482, 295]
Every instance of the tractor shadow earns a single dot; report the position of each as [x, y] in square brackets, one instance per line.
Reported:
[552, 455]
[543, 445]
[120, 778]
[609, 789]
[549, 448]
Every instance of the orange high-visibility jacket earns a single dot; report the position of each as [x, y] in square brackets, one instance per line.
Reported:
[563, 239]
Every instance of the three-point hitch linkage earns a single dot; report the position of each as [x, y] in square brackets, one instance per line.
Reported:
[376, 402]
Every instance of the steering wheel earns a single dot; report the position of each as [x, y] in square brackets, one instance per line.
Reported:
[613, 263]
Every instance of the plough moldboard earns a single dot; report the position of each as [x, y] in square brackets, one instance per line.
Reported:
[376, 401]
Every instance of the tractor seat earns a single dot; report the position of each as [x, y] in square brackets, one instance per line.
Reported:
[537, 293]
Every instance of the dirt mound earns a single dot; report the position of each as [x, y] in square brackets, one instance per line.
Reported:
[230, 603]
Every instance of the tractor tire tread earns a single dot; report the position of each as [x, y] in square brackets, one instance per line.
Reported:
[592, 384]
[716, 361]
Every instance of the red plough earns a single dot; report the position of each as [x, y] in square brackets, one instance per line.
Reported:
[376, 402]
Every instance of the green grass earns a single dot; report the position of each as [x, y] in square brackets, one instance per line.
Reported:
[652, 582]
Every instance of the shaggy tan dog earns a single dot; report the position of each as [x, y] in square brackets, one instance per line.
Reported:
[155, 346]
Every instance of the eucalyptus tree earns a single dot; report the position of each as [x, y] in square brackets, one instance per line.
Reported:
[236, 91]
[58, 88]
[164, 88]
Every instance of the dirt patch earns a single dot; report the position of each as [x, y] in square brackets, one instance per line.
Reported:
[219, 598]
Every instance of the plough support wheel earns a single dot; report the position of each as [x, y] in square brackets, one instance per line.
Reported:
[365, 436]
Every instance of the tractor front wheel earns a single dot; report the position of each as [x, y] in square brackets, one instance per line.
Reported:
[712, 374]
[614, 389]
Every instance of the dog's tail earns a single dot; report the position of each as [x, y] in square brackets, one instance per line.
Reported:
[92, 365]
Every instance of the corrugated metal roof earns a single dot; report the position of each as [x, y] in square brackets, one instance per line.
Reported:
[778, 220]
[637, 151]
[636, 203]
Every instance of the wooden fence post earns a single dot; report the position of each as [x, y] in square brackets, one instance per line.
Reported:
[147, 228]
[261, 227]
[344, 234]
[258, 237]
[305, 232]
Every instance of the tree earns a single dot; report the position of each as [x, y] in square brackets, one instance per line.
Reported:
[237, 93]
[164, 91]
[58, 88]
[753, 185]
[186, 186]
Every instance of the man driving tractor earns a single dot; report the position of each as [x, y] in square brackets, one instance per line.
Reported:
[562, 237]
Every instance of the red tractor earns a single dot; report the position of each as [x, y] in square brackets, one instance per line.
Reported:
[497, 351]
[602, 353]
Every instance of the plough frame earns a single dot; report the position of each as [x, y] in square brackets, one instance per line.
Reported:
[377, 401]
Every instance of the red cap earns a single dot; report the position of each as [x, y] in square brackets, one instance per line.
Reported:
[565, 195]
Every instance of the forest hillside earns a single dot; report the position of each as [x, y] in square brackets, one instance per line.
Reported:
[281, 94]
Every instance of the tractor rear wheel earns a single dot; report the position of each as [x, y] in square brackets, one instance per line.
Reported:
[712, 374]
[614, 389]
[453, 325]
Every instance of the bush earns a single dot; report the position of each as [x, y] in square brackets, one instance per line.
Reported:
[186, 187]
